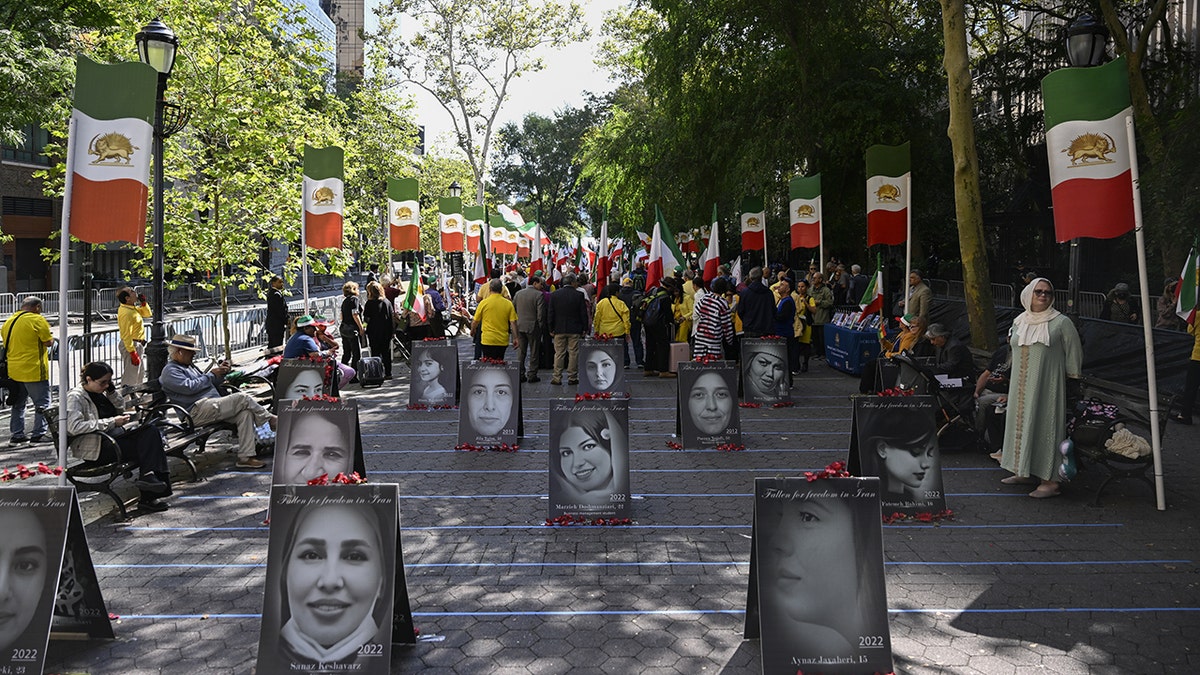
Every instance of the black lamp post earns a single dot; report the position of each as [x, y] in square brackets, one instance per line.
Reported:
[1087, 39]
[157, 46]
[455, 189]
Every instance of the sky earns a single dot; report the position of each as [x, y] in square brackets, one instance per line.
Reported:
[569, 73]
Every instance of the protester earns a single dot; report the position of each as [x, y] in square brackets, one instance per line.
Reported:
[567, 317]
[951, 357]
[991, 392]
[1119, 307]
[1167, 318]
[802, 326]
[612, 318]
[1192, 381]
[633, 299]
[1046, 362]
[132, 313]
[530, 305]
[304, 342]
[484, 291]
[276, 323]
[682, 306]
[495, 322]
[197, 393]
[94, 405]
[26, 336]
[351, 328]
[857, 286]
[756, 306]
[658, 321]
[380, 326]
[435, 311]
[417, 326]
[912, 331]
[821, 311]
[920, 297]
[784, 325]
[714, 324]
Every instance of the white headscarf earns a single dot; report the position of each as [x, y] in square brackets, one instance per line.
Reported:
[1032, 327]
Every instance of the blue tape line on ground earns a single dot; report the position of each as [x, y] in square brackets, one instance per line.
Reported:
[670, 563]
[430, 528]
[726, 495]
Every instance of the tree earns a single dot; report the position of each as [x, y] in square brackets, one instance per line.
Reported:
[537, 164]
[467, 52]
[967, 201]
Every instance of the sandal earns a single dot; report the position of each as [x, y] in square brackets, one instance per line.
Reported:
[1043, 492]
[997, 455]
[1020, 480]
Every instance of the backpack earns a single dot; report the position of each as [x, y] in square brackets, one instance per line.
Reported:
[657, 309]
[637, 306]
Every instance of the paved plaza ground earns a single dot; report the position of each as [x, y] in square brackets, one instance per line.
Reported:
[1011, 585]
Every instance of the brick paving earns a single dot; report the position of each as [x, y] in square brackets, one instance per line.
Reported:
[1012, 585]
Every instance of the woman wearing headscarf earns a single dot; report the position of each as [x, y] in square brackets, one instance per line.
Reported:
[1045, 354]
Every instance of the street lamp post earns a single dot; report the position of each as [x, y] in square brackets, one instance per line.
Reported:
[1087, 39]
[455, 190]
[157, 46]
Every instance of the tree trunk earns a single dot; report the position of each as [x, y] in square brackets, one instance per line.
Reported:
[967, 202]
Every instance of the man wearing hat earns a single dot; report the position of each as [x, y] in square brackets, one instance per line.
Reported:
[196, 392]
[304, 341]
[26, 336]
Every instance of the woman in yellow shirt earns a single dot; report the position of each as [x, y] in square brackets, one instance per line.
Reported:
[682, 305]
[612, 317]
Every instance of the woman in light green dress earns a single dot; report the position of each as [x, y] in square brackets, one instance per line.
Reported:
[1045, 352]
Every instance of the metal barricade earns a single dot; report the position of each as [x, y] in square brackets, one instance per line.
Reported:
[1002, 295]
[49, 300]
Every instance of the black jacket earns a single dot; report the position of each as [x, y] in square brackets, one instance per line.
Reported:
[567, 312]
[756, 307]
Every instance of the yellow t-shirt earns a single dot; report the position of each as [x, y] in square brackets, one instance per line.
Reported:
[494, 314]
[27, 357]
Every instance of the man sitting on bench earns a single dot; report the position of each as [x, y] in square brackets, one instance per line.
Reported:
[196, 392]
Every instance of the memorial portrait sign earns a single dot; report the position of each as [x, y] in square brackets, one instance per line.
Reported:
[335, 580]
[708, 410]
[589, 458]
[816, 596]
[764, 371]
[894, 438]
[490, 411]
[300, 378]
[434, 373]
[602, 367]
[316, 438]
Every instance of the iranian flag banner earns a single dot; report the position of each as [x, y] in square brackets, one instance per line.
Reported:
[711, 260]
[664, 252]
[1090, 177]
[404, 214]
[414, 298]
[603, 262]
[323, 197]
[483, 265]
[523, 249]
[511, 239]
[498, 241]
[110, 151]
[1187, 291]
[644, 239]
[872, 299]
[889, 175]
[754, 224]
[474, 216]
[451, 224]
[511, 216]
[804, 211]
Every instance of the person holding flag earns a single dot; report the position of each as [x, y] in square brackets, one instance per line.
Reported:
[1187, 292]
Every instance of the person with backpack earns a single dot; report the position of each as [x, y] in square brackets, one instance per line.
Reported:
[635, 300]
[658, 319]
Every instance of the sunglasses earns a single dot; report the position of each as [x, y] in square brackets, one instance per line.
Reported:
[1039, 292]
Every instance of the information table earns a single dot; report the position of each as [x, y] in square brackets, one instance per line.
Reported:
[849, 350]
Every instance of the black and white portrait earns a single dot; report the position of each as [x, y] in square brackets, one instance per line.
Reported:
[314, 439]
[708, 404]
[600, 367]
[764, 371]
[434, 373]
[331, 569]
[896, 440]
[301, 378]
[819, 566]
[589, 458]
[31, 551]
[490, 404]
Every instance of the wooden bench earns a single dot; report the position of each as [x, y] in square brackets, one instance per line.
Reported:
[1134, 415]
[94, 476]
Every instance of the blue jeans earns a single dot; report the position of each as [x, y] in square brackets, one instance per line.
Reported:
[39, 392]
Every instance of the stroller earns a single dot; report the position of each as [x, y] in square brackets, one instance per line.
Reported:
[955, 400]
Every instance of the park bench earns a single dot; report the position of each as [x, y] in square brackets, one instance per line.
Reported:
[1134, 414]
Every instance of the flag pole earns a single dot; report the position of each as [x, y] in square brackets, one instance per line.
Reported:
[1147, 328]
[908, 240]
[821, 229]
[304, 253]
[64, 269]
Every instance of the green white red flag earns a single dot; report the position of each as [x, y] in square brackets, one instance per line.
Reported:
[324, 197]
[110, 151]
[664, 252]
[711, 260]
[804, 209]
[889, 175]
[1090, 173]
[872, 299]
[404, 214]
[414, 299]
[1187, 291]
[754, 224]
[451, 224]
[474, 216]
[603, 263]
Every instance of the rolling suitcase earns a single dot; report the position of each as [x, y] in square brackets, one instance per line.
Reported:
[370, 372]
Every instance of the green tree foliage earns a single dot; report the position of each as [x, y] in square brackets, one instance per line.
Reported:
[466, 53]
[537, 167]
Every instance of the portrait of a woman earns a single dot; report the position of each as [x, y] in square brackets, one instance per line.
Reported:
[298, 383]
[490, 397]
[821, 582]
[427, 384]
[334, 592]
[899, 445]
[765, 374]
[601, 370]
[312, 444]
[26, 563]
[589, 462]
[710, 404]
